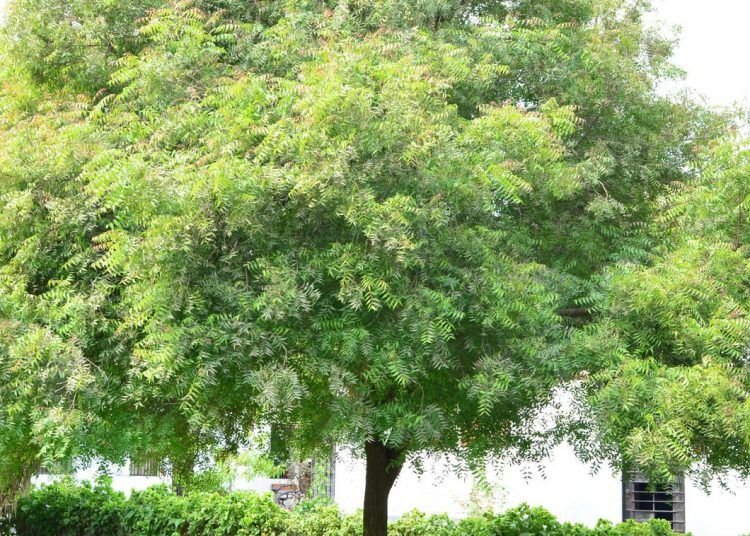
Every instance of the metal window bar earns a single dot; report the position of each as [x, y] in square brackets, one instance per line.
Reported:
[56, 469]
[324, 475]
[144, 468]
[643, 502]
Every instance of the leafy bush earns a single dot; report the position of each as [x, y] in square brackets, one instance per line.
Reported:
[155, 512]
[66, 508]
[241, 514]
[319, 517]
[416, 524]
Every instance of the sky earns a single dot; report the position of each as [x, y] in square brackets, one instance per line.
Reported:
[714, 44]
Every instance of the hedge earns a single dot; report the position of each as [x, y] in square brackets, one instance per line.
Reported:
[69, 509]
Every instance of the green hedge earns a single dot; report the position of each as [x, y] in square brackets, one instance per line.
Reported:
[69, 509]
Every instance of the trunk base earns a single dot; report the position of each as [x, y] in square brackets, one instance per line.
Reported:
[383, 467]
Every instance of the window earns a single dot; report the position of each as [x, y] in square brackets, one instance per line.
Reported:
[641, 501]
[324, 475]
[144, 468]
[61, 468]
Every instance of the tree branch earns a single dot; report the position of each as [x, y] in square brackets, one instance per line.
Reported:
[574, 312]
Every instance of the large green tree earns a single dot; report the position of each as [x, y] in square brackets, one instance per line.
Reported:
[371, 222]
[674, 397]
[64, 365]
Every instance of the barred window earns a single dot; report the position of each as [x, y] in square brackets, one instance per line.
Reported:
[62, 468]
[144, 468]
[642, 502]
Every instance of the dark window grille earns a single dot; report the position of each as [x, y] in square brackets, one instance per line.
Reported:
[642, 502]
[144, 468]
[56, 469]
[324, 475]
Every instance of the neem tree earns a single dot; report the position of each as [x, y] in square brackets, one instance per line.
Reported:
[64, 365]
[676, 396]
[369, 222]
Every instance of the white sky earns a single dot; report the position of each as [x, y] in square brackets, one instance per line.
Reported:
[714, 45]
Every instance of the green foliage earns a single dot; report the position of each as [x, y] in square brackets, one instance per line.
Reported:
[65, 509]
[673, 396]
[362, 249]
[362, 221]
[72, 45]
[416, 523]
[320, 517]
[520, 521]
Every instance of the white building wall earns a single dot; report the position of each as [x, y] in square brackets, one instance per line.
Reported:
[121, 480]
[567, 489]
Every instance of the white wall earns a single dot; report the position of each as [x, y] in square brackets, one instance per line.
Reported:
[720, 513]
[567, 489]
[121, 481]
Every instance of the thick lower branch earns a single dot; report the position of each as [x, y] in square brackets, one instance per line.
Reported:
[574, 312]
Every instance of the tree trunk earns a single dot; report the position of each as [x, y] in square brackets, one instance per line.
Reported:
[183, 470]
[383, 467]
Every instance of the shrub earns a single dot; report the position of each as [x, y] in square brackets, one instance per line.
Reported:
[631, 528]
[155, 512]
[521, 521]
[66, 508]
[525, 520]
[319, 517]
[69, 509]
[234, 514]
[416, 524]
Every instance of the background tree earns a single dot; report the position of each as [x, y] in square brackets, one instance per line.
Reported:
[64, 365]
[673, 396]
[369, 222]
[70, 45]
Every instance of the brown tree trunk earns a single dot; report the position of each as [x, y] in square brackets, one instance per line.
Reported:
[184, 454]
[383, 467]
[183, 470]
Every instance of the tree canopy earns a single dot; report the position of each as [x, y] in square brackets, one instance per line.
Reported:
[403, 226]
[676, 397]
